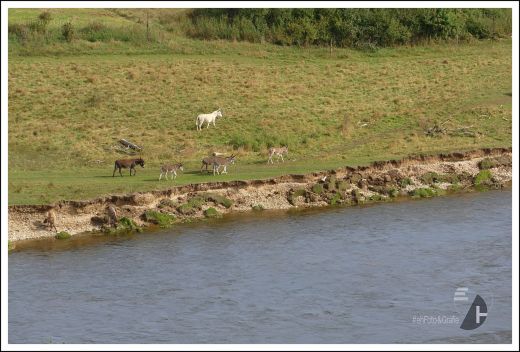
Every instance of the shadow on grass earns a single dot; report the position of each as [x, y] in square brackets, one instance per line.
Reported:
[198, 173]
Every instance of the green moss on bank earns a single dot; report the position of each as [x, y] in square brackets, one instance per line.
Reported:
[211, 213]
[158, 218]
[62, 235]
[124, 226]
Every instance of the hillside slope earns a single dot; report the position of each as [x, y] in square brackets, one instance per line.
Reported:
[67, 110]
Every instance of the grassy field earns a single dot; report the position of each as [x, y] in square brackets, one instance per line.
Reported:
[69, 103]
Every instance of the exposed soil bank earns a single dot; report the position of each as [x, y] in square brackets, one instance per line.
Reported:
[415, 176]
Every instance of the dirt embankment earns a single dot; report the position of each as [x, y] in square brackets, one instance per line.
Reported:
[415, 176]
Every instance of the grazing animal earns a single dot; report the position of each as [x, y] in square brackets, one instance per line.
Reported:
[172, 169]
[209, 118]
[127, 164]
[224, 162]
[279, 152]
[206, 162]
[50, 220]
[112, 215]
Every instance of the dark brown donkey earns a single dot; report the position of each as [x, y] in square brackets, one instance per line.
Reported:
[127, 164]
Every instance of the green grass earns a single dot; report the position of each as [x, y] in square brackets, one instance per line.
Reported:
[427, 192]
[62, 235]
[158, 218]
[335, 199]
[124, 226]
[70, 103]
[212, 213]
[483, 180]
[193, 204]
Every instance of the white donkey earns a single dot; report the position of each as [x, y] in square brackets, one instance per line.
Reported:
[209, 118]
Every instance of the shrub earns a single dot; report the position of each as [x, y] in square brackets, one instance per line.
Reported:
[405, 182]
[393, 193]
[423, 193]
[67, 31]
[45, 17]
[317, 188]
[258, 207]
[486, 164]
[62, 235]
[335, 199]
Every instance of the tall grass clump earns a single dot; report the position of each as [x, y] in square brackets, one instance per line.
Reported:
[68, 32]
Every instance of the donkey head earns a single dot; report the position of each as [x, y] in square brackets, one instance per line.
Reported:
[181, 167]
[140, 161]
[219, 112]
[232, 158]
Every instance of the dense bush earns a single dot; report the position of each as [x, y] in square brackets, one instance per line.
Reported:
[67, 30]
[360, 28]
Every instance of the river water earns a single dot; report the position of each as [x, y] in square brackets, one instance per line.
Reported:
[341, 275]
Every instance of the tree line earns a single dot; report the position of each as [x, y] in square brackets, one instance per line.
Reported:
[356, 28]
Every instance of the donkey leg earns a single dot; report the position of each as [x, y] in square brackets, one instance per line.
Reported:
[113, 173]
[120, 172]
[160, 176]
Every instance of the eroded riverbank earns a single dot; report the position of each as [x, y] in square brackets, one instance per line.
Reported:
[415, 176]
